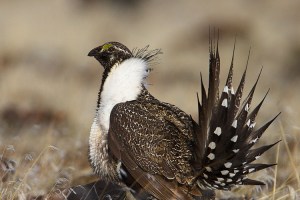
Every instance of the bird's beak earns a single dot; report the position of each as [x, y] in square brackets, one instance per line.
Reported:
[93, 52]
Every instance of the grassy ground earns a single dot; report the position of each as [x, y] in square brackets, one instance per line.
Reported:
[48, 86]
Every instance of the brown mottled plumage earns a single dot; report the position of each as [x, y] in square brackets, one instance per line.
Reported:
[135, 136]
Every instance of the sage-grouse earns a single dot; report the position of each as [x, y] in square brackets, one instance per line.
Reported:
[171, 156]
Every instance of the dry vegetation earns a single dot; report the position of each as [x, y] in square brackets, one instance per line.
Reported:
[48, 87]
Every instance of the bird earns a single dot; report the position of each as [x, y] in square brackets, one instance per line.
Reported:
[160, 147]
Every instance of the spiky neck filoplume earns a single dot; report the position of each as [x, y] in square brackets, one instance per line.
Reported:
[123, 80]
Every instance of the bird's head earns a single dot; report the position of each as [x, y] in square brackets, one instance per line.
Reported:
[110, 53]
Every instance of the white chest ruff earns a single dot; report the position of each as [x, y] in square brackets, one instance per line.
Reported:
[123, 83]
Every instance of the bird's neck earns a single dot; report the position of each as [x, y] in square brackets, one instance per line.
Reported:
[124, 82]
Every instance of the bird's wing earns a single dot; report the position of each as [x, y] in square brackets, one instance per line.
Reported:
[149, 141]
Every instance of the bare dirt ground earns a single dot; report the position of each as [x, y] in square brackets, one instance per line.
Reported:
[48, 86]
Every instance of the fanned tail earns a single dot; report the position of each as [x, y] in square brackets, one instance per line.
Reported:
[225, 131]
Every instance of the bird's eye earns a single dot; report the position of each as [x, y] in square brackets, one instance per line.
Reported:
[106, 47]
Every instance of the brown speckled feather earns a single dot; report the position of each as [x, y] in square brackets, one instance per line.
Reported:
[154, 184]
[156, 138]
[152, 142]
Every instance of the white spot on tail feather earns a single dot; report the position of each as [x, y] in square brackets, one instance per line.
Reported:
[225, 89]
[234, 138]
[224, 172]
[248, 122]
[247, 107]
[220, 179]
[251, 170]
[212, 145]
[211, 156]
[234, 123]
[228, 164]
[232, 90]
[218, 131]
[224, 103]
[235, 150]
[208, 169]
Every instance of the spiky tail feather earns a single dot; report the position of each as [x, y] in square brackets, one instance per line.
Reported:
[225, 131]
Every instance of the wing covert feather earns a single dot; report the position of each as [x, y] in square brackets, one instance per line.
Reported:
[146, 140]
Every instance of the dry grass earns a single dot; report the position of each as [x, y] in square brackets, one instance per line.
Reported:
[48, 87]
[42, 168]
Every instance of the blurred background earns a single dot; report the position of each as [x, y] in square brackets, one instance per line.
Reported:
[48, 85]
